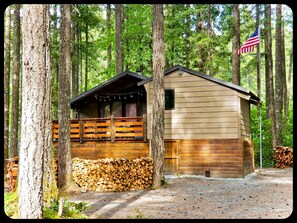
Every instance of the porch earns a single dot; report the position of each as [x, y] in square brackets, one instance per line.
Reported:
[113, 129]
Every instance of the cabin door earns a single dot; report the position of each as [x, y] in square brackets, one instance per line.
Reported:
[131, 110]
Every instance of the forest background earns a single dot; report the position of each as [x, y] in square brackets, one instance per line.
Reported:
[195, 36]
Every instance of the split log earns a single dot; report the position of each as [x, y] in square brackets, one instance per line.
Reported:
[113, 174]
[12, 173]
[283, 157]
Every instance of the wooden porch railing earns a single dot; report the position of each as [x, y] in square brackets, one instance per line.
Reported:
[105, 129]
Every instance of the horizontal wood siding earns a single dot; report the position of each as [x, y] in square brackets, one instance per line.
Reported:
[203, 109]
[245, 119]
[248, 154]
[222, 157]
[101, 150]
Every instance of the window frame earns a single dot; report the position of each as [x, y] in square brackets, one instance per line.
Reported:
[172, 107]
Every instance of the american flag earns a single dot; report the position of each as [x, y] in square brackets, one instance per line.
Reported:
[250, 43]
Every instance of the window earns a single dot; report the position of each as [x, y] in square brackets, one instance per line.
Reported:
[169, 99]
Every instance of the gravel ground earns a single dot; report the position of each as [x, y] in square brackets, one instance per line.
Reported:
[265, 196]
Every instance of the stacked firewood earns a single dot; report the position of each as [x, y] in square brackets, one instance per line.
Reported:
[12, 173]
[283, 157]
[113, 174]
[56, 170]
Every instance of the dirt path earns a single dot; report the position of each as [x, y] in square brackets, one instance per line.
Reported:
[269, 195]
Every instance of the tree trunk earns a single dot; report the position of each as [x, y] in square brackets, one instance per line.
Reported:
[236, 46]
[80, 63]
[127, 52]
[15, 85]
[36, 123]
[209, 34]
[6, 83]
[50, 190]
[64, 152]
[258, 53]
[74, 60]
[158, 96]
[77, 40]
[86, 67]
[188, 29]
[278, 76]
[108, 15]
[284, 75]
[289, 81]
[119, 44]
[199, 29]
[270, 112]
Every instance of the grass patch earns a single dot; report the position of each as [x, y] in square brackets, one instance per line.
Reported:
[11, 204]
[71, 210]
[137, 215]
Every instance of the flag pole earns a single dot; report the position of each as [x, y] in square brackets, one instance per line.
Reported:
[259, 94]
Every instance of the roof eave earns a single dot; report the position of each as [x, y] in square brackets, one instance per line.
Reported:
[109, 81]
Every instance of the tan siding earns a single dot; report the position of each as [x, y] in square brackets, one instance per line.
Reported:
[245, 119]
[203, 109]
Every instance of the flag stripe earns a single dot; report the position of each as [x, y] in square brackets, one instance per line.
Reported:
[250, 44]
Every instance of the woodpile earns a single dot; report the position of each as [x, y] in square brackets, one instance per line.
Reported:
[12, 173]
[56, 170]
[100, 175]
[113, 174]
[283, 157]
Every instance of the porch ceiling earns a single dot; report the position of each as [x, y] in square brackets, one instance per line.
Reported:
[117, 84]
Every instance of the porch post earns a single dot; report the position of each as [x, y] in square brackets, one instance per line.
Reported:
[112, 129]
[81, 133]
[144, 127]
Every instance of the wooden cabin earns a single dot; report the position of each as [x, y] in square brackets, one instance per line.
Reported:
[207, 122]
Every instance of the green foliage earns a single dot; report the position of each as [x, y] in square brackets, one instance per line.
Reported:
[267, 148]
[11, 204]
[71, 210]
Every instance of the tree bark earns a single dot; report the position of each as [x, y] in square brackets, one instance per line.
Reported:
[289, 80]
[258, 54]
[64, 152]
[209, 34]
[236, 45]
[278, 76]
[125, 16]
[6, 84]
[188, 29]
[284, 73]
[74, 62]
[199, 30]
[108, 15]
[119, 44]
[270, 112]
[15, 85]
[158, 95]
[36, 123]
[50, 190]
[86, 67]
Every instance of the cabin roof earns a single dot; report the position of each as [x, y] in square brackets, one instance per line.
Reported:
[119, 83]
[254, 99]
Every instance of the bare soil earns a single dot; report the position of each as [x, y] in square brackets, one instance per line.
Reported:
[268, 195]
